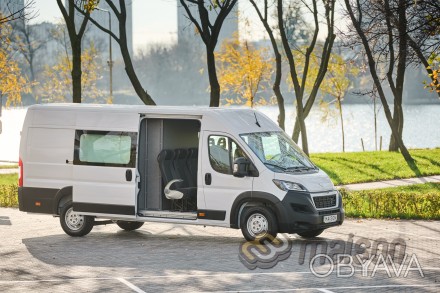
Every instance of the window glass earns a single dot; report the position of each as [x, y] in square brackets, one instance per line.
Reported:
[278, 152]
[105, 148]
[219, 154]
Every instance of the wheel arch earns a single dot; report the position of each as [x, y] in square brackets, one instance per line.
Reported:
[253, 198]
[62, 196]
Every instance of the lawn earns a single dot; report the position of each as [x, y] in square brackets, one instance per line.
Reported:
[9, 166]
[346, 168]
[8, 179]
[418, 201]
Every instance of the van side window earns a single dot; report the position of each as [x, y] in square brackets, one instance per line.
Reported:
[222, 153]
[105, 148]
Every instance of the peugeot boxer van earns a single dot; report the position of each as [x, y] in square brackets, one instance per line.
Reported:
[100, 164]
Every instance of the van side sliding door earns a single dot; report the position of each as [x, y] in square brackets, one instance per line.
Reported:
[104, 173]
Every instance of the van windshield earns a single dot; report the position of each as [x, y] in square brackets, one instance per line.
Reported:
[278, 152]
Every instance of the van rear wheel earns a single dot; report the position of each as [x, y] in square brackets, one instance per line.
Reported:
[128, 225]
[259, 224]
[75, 224]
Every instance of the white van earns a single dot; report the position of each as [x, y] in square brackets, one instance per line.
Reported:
[204, 166]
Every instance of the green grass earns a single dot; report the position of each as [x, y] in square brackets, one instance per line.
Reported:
[8, 179]
[418, 201]
[346, 168]
[8, 166]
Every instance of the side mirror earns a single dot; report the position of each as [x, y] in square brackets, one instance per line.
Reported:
[240, 167]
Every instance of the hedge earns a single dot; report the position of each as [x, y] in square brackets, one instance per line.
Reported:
[8, 195]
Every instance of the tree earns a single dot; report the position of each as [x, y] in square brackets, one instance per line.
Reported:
[263, 15]
[57, 87]
[11, 14]
[75, 37]
[28, 42]
[209, 30]
[434, 67]
[302, 110]
[374, 38]
[12, 83]
[336, 84]
[243, 71]
[121, 15]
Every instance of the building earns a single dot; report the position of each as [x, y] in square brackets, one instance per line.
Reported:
[187, 30]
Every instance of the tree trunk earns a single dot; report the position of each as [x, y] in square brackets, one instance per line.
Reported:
[213, 80]
[76, 71]
[296, 131]
[277, 90]
[342, 124]
[304, 142]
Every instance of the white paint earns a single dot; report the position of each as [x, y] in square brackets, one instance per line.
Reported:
[130, 285]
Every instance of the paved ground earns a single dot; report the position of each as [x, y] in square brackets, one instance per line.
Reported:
[36, 255]
[391, 183]
[8, 171]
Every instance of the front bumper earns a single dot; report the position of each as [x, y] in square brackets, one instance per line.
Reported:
[297, 213]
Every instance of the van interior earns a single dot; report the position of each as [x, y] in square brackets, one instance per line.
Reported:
[168, 150]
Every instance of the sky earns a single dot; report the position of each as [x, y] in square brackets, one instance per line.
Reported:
[154, 21]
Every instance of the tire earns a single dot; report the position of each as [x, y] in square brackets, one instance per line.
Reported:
[129, 226]
[74, 224]
[311, 234]
[258, 224]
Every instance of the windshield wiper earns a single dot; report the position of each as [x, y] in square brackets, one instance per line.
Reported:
[273, 165]
[300, 168]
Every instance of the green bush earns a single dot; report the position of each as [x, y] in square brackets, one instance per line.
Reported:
[392, 203]
[9, 195]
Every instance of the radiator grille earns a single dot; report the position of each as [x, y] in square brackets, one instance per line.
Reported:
[322, 202]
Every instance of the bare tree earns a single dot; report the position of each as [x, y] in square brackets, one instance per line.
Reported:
[28, 42]
[263, 15]
[25, 13]
[209, 31]
[378, 40]
[75, 37]
[299, 82]
[121, 15]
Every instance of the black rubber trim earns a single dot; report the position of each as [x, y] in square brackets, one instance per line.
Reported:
[252, 196]
[212, 215]
[63, 192]
[103, 208]
[37, 200]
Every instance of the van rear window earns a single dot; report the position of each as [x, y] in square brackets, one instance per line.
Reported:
[105, 148]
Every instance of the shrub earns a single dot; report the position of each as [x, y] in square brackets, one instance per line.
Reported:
[8, 195]
[391, 203]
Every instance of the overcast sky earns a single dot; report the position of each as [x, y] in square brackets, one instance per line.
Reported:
[153, 20]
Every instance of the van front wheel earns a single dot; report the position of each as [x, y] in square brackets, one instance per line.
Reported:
[73, 223]
[258, 224]
[129, 226]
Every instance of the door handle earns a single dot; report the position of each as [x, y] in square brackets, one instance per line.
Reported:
[208, 178]
[128, 175]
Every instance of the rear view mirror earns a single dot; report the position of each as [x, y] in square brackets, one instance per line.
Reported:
[240, 168]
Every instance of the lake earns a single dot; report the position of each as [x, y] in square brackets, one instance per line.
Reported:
[421, 128]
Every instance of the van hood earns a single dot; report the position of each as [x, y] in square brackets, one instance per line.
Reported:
[314, 182]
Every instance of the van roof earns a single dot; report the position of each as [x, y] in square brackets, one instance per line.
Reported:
[236, 120]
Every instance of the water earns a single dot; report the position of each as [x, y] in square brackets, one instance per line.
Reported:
[421, 128]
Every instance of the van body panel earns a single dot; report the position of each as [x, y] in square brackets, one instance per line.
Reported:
[313, 182]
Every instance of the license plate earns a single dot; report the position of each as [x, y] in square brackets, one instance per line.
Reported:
[330, 218]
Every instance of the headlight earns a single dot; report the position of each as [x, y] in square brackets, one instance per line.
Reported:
[286, 185]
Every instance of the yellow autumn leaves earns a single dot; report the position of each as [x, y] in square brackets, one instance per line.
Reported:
[244, 71]
[12, 83]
